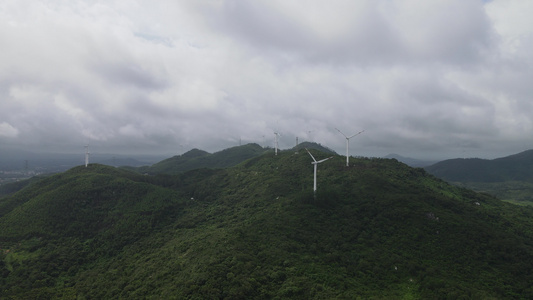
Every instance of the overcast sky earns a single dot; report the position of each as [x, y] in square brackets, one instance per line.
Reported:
[425, 79]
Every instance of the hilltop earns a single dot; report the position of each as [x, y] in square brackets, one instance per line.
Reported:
[311, 145]
[198, 159]
[376, 229]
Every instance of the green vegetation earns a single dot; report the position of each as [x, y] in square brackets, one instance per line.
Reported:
[196, 159]
[518, 167]
[509, 178]
[377, 229]
[12, 187]
[310, 145]
[517, 192]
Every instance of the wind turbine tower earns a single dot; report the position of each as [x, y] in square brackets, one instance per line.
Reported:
[348, 145]
[315, 164]
[86, 155]
[276, 142]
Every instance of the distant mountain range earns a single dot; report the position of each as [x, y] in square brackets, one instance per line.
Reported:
[509, 178]
[517, 167]
[413, 162]
[197, 159]
[59, 162]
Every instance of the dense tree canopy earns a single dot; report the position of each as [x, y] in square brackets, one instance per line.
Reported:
[377, 228]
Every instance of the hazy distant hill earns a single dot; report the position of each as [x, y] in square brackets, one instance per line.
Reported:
[518, 167]
[413, 162]
[378, 229]
[48, 162]
[58, 162]
[196, 159]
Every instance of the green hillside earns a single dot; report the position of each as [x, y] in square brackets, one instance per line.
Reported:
[12, 187]
[509, 178]
[518, 167]
[197, 159]
[378, 229]
[311, 145]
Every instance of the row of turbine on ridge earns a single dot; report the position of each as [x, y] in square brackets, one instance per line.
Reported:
[315, 162]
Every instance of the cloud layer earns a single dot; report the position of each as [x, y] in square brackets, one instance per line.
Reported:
[429, 79]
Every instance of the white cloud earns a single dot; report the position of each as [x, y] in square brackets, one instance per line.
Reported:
[429, 78]
[7, 130]
[131, 131]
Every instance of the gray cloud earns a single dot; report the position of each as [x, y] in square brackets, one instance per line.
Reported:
[367, 33]
[425, 79]
[130, 75]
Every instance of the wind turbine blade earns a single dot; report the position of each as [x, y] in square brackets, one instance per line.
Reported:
[356, 134]
[342, 133]
[324, 159]
[311, 155]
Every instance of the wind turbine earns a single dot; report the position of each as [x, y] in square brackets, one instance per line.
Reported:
[348, 143]
[86, 155]
[276, 141]
[315, 163]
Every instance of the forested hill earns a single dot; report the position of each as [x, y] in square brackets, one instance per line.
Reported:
[413, 162]
[376, 229]
[310, 145]
[517, 167]
[197, 159]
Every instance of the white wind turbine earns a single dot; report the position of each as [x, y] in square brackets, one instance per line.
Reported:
[348, 143]
[276, 141]
[315, 163]
[86, 155]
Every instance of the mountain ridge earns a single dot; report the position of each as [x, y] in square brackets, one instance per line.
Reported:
[413, 162]
[513, 167]
[376, 229]
[197, 159]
